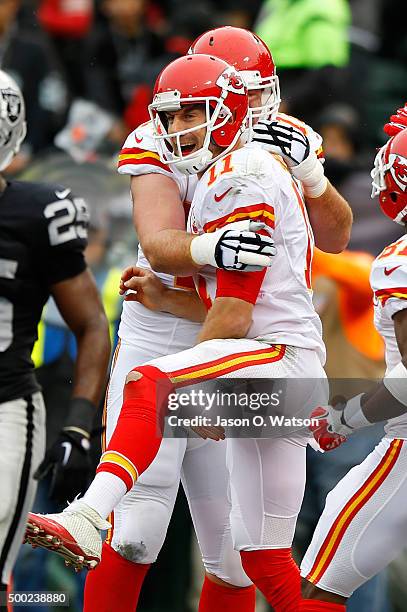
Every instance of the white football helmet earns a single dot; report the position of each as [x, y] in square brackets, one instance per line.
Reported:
[12, 119]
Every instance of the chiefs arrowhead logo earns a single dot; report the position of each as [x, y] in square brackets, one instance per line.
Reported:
[231, 81]
[398, 170]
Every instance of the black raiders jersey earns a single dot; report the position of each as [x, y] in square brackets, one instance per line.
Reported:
[43, 233]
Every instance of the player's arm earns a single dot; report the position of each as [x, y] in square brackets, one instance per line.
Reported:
[159, 220]
[329, 213]
[231, 313]
[68, 458]
[79, 303]
[229, 317]
[331, 219]
[147, 289]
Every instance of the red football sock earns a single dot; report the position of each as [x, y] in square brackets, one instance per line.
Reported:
[218, 598]
[138, 433]
[276, 575]
[315, 605]
[115, 584]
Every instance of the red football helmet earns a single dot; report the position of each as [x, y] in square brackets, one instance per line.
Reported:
[251, 57]
[206, 80]
[389, 178]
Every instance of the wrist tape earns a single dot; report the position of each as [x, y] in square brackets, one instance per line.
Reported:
[311, 174]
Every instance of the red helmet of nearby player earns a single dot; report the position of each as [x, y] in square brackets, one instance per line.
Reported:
[199, 80]
[390, 177]
[251, 57]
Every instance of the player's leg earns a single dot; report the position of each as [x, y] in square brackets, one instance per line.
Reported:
[145, 397]
[268, 481]
[22, 443]
[140, 521]
[205, 479]
[145, 400]
[139, 527]
[362, 528]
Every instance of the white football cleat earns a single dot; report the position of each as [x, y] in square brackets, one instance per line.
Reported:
[74, 534]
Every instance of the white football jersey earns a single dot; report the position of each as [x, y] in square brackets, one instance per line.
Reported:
[251, 183]
[388, 279]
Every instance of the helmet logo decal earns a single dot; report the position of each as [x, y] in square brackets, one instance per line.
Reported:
[231, 81]
[14, 104]
[398, 170]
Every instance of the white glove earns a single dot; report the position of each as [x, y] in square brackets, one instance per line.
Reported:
[237, 246]
[294, 147]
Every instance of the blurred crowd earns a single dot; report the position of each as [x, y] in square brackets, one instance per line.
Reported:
[87, 68]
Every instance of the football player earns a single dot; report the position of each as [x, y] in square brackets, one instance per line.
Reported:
[42, 239]
[199, 111]
[151, 334]
[157, 194]
[156, 214]
[364, 523]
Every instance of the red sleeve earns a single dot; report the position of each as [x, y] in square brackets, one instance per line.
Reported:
[242, 285]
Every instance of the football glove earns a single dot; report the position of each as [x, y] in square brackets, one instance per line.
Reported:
[324, 431]
[238, 246]
[68, 459]
[398, 122]
[293, 146]
[285, 140]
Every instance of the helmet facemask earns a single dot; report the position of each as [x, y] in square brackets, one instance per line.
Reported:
[378, 173]
[270, 97]
[217, 116]
[12, 120]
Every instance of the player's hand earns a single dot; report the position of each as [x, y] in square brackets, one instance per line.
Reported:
[324, 431]
[68, 459]
[148, 288]
[68, 462]
[212, 432]
[238, 246]
[398, 122]
[285, 140]
[293, 145]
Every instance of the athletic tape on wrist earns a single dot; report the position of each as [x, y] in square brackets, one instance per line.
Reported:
[395, 382]
[353, 413]
[311, 174]
[202, 249]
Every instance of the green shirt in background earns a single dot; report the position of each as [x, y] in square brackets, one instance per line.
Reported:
[306, 33]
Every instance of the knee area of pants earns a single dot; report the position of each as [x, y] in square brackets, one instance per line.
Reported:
[136, 552]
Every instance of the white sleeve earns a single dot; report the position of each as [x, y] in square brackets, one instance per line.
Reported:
[389, 284]
[139, 154]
